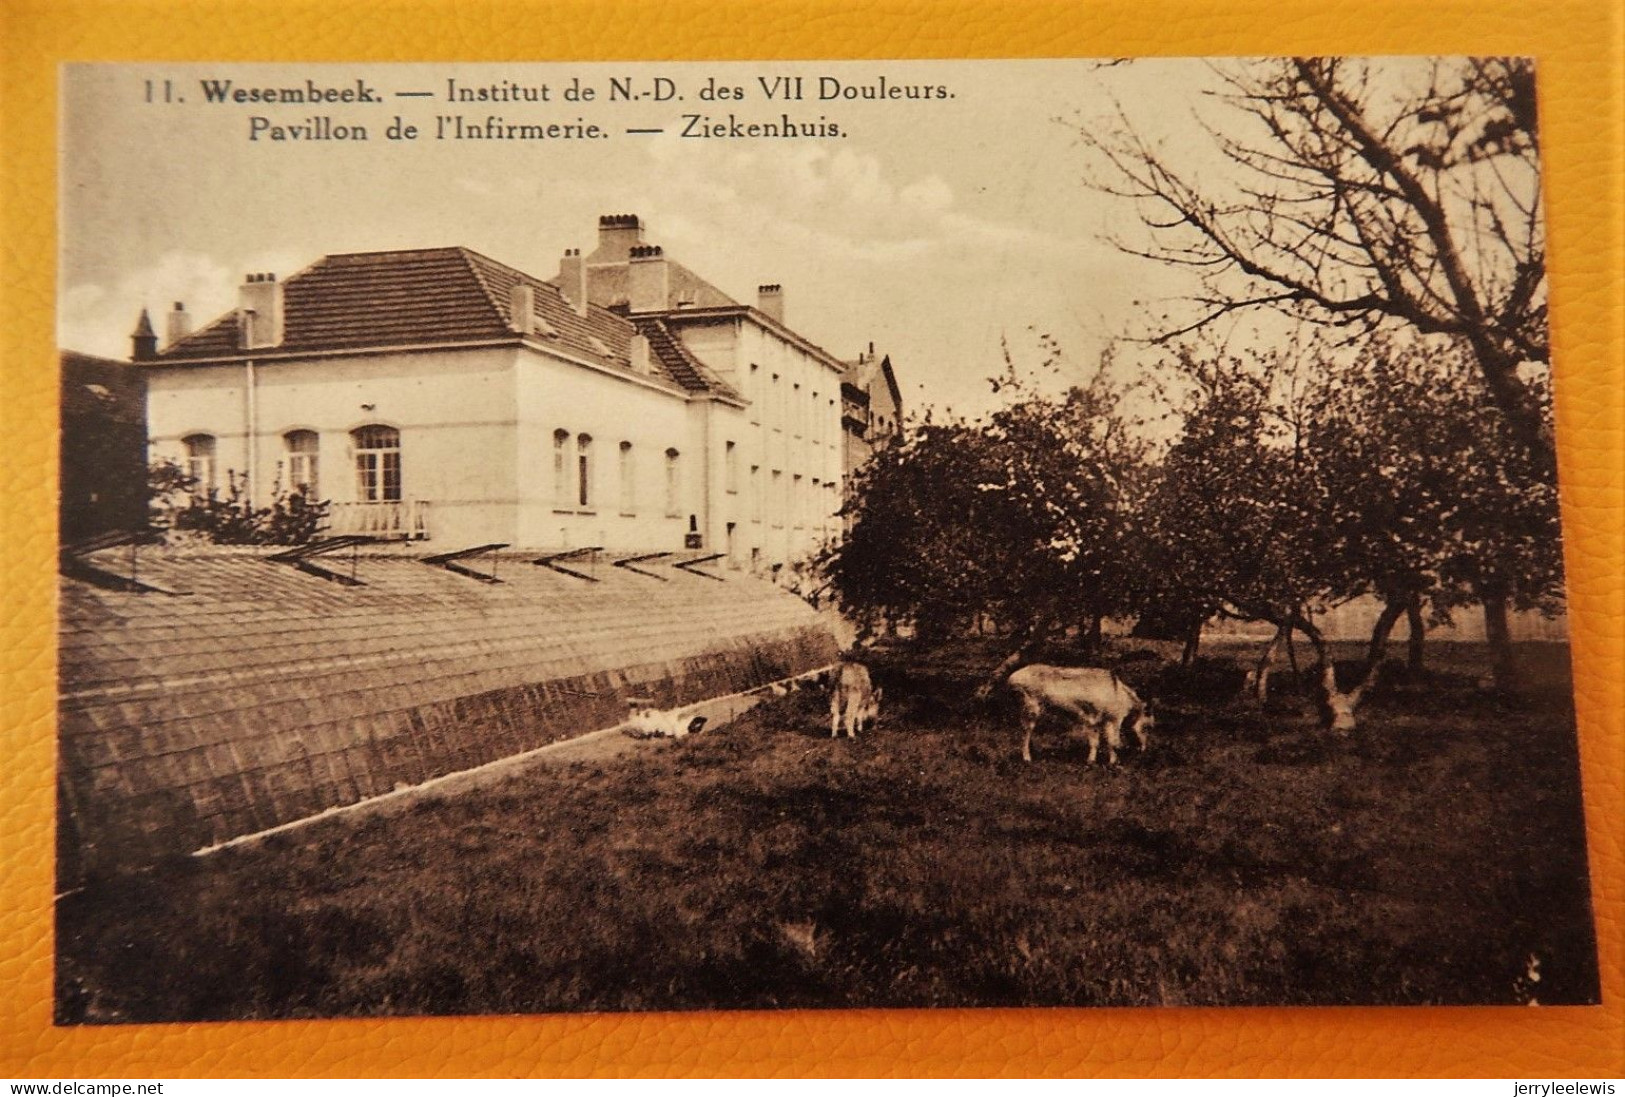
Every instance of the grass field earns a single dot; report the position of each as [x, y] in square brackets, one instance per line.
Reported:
[1248, 858]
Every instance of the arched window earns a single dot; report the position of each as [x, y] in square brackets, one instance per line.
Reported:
[584, 470]
[674, 485]
[302, 447]
[377, 464]
[561, 468]
[200, 450]
[629, 484]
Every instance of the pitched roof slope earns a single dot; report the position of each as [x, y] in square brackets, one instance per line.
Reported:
[431, 296]
[681, 363]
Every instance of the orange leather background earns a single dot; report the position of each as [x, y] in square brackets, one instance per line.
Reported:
[1581, 52]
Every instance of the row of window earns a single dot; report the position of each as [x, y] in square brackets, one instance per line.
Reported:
[575, 484]
[377, 452]
[786, 406]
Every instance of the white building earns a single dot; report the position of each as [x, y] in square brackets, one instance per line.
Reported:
[439, 394]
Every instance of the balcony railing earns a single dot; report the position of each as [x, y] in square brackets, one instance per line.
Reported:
[407, 520]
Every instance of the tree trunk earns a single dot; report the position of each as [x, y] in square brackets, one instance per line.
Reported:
[1418, 627]
[1027, 640]
[1392, 610]
[1266, 659]
[1337, 706]
[1092, 638]
[1193, 644]
[1499, 635]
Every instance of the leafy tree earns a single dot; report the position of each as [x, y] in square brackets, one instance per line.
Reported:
[1244, 517]
[1389, 473]
[1366, 194]
[1028, 517]
[175, 504]
[1442, 503]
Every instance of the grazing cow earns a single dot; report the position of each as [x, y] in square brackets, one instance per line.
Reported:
[648, 722]
[1094, 699]
[854, 700]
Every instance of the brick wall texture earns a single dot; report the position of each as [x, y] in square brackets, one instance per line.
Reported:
[246, 694]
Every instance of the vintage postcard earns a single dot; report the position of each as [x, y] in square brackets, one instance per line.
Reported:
[596, 537]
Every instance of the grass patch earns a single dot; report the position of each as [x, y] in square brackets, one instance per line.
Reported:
[1247, 859]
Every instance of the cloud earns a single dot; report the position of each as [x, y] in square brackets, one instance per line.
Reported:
[97, 319]
[841, 204]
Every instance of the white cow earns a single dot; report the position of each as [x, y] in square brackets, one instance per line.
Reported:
[1096, 700]
[853, 700]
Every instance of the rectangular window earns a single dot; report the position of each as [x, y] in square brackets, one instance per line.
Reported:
[756, 493]
[302, 448]
[584, 483]
[674, 485]
[561, 469]
[378, 464]
[730, 467]
[778, 499]
[629, 483]
[200, 454]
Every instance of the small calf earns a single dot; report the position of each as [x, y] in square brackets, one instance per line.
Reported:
[854, 700]
[1091, 698]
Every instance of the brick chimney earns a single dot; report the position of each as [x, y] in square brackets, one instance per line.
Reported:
[618, 234]
[259, 312]
[770, 299]
[522, 308]
[573, 280]
[143, 340]
[180, 324]
[648, 279]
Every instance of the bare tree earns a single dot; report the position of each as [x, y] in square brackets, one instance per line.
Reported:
[1362, 194]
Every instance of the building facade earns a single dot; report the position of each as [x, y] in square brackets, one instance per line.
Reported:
[871, 408]
[437, 394]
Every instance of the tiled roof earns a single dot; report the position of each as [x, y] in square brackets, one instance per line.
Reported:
[429, 296]
[262, 695]
[680, 362]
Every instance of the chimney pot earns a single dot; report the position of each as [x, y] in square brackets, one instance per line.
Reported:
[618, 234]
[648, 280]
[260, 310]
[180, 324]
[573, 280]
[770, 300]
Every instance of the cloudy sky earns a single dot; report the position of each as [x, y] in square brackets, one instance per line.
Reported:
[934, 228]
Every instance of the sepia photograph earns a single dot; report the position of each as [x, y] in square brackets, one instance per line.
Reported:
[585, 537]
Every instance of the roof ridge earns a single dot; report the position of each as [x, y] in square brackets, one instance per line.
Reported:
[468, 256]
[388, 251]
